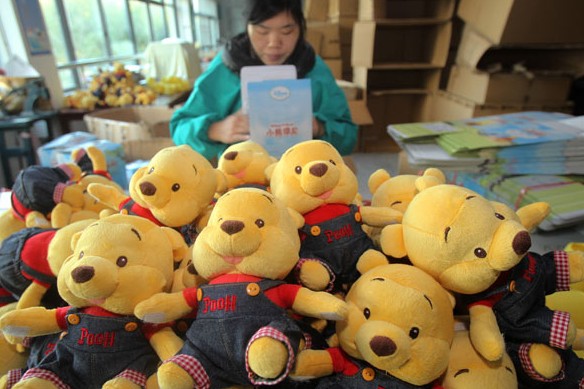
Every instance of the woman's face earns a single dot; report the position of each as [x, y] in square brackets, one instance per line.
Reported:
[273, 40]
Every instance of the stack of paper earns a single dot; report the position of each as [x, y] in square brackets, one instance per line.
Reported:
[564, 194]
[520, 143]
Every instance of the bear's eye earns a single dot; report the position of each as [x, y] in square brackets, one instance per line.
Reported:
[175, 187]
[499, 216]
[333, 162]
[395, 203]
[151, 170]
[414, 332]
[366, 313]
[480, 252]
[122, 261]
[81, 254]
[260, 223]
[298, 169]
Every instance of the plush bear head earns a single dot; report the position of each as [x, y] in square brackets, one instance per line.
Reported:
[400, 321]
[177, 185]
[119, 261]
[468, 369]
[245, 163]
[398, 191]
[460, 238]
[311, 174]
[249, 232]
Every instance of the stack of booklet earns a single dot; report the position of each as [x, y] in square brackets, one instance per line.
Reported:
[531, 142]
[516, 158]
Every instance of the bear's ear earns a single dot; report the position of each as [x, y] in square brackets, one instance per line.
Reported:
[436, 173]
[297, 217]
[377, 178]
[75, 239]
[426, 181]
[221, 181]
[392, 241]
[177, 242]
[533, 214]
[270, 170]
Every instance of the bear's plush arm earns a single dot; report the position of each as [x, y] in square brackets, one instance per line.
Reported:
[484, 332]
[166, 307]
[33, 321]
[380, 216]
[322, 305]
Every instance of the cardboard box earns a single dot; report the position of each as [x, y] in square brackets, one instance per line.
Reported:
[142, 131]
[406, 9]
[336, 67]
[522, 22]
[379, 44]
[549, 88]
[330, 43]
[360, 113]
[397, 79]
[343, 8]
[316, 10]
[314, 37]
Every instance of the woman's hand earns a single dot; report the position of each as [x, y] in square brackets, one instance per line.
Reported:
[317, 128]
[234, 128]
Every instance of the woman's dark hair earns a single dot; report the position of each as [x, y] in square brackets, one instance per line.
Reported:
[262, 10]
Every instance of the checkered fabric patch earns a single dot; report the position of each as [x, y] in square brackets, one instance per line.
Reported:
[559, 330]
[134, 376]
[45, 375]
[530, 370]
[273, 333]
[562, 270]
[194, 368]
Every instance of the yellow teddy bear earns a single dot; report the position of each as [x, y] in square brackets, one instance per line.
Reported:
[397, 334]
[480, 250]
[175, 189]
[312, 178]
[243, 332]
[117, 262]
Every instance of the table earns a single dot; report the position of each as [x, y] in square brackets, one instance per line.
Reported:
[24, 149]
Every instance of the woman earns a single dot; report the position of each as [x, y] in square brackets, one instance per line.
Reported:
[211, 119]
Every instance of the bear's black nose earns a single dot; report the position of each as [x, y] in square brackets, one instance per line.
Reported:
[521, 243]
[82, 274]
[232, 226]
[318, 170]
[382, 346]
[147, 188]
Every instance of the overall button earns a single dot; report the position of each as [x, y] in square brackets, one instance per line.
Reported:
[358, 216]
[131, 326]
[199, 294]
[73, 319]
[315, 230]
[368, 374]
[253, 289]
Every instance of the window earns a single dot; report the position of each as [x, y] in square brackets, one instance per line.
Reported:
[87, 35]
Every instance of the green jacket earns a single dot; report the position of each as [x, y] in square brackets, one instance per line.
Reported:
[216, 95]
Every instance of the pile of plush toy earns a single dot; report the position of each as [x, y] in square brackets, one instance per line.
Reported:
[274, 273]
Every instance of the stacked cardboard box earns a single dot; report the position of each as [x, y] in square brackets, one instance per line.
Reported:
[516, 55]
[399, 50]
[330, 31]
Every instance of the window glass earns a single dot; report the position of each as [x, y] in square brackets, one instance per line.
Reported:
[86, 28]
[67, 78]
[171, 22]
[139, 13]
[55, 30]
[118, 27]
[158, 25]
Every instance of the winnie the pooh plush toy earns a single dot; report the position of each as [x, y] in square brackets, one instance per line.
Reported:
[93, 165]
[312, 178]
[479, 250]
[117, 262]
[397, 333]
[397, 191]
[175, 189]
[244, 164]
[30, 260]
[35, 193]
[467, 369]
[243, 333]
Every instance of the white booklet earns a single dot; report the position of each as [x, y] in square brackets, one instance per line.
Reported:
[261, 73]
[280, 113]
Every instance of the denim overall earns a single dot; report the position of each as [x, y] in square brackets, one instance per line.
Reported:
[38, 347]
[338, 242]
[366, 377]
[228, 317]
[12, 278]
[97, 349]
[521, 312]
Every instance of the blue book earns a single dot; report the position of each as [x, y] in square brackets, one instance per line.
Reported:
[280, 113]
